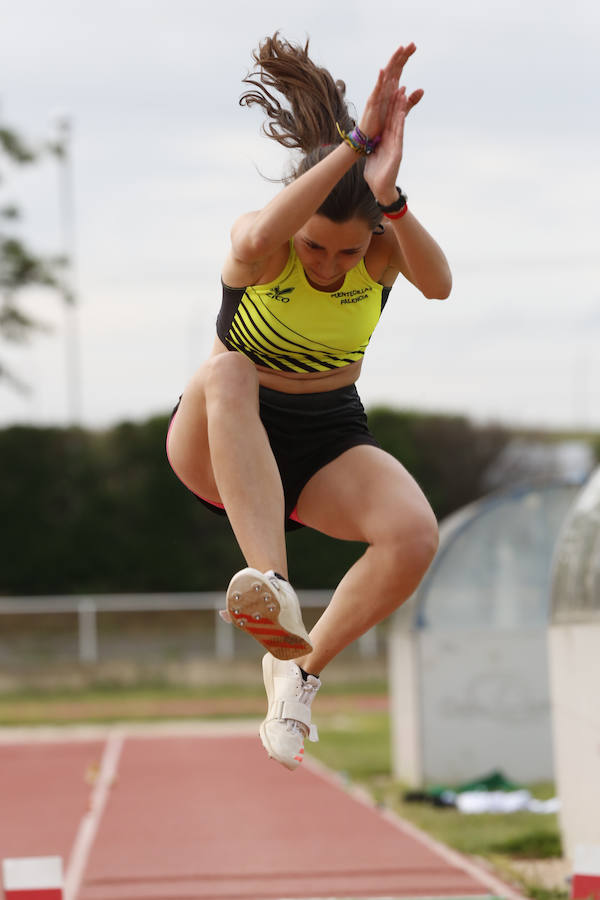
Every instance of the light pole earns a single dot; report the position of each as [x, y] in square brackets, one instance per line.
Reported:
[67, 234]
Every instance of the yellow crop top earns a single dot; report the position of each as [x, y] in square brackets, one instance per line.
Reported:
[290, 326]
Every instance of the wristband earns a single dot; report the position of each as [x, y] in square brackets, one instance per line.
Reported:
[397, 205]
[397, 215]
[359, 141]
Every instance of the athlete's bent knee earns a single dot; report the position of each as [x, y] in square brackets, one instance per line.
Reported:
[230, 376]
[415, 538]
[425, 540]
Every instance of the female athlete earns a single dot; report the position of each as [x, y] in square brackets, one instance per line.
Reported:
[270, 430]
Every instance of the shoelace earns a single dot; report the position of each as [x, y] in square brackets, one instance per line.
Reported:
[276, 583]
[308, 691]
[296, 727]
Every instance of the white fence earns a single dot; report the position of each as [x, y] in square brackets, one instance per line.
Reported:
[87, 607]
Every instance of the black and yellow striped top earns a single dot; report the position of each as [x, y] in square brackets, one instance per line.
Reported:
[290, 326]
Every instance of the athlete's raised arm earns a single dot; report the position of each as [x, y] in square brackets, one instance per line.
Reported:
[416, 254]
[256, 236]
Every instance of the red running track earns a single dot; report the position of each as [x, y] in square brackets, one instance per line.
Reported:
[194, 817]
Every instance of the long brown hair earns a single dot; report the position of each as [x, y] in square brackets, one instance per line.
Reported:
[316, 102]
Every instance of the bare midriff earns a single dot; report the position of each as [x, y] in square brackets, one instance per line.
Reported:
[302, 382]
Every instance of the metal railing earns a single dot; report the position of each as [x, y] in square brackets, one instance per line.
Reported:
[87, 607]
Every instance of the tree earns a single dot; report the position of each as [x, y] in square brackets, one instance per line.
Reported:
[447, 454]
[20, 266]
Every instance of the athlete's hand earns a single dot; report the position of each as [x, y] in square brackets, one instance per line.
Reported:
[374, 117]
[381, 167]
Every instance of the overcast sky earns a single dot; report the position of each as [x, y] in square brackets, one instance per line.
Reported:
[501, 164]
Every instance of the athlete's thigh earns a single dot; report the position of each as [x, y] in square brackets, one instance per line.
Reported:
[362, 495]
[223, 380]
[187, 440]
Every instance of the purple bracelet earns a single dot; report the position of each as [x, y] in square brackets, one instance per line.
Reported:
[359, 142]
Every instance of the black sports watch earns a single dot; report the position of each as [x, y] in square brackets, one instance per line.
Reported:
[398, 204]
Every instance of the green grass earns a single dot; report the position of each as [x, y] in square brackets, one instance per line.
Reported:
[539, 843]
[541, 893]
[109, 701]
[356, 745]
[522, 835]
[116, 690]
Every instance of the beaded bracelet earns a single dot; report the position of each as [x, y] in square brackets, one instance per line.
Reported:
[359, 142]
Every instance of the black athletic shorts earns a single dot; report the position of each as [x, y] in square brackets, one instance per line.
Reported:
[307, 431]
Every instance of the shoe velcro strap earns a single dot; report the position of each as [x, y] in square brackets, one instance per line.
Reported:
[291, 709]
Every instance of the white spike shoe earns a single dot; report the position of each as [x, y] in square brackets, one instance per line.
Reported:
[288, 720]
[268, 609]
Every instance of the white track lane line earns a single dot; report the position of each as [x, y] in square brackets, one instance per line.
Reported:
[88, 827]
